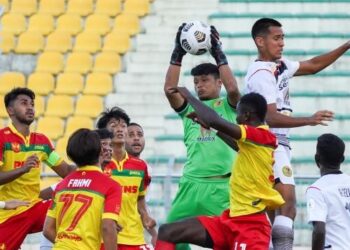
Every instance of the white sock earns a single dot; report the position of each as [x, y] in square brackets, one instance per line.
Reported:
[282, 233]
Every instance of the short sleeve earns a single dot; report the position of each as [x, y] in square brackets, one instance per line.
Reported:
[51, 212]
[258, 135]
[316, 206]
[113, 201]
[292, 67]
[146, 181]
[264, 83]
[183, 111]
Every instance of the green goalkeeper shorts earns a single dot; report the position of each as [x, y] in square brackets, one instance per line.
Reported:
[199, 196]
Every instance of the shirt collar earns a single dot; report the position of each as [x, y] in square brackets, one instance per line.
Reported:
[90, 168]
[15, 131]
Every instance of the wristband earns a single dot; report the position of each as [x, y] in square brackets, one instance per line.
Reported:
[2, 204]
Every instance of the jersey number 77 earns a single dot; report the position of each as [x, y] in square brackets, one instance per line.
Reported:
[68, 199]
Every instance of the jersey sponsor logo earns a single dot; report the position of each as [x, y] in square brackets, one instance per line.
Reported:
[135, 173]
[15, 147]
[344, 192]
[39, 147]
[19, 164]
[130, 189]
[287, 171]
[206, 135]
[2, 246]
[79, 182]
[69, 236]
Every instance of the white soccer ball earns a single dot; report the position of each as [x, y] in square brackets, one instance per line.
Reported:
[195, 37]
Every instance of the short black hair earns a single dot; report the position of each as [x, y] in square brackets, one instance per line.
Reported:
[116, 113]
[84, 147]
[135, 124]
[104, 133]
[257, 103]
[14, 93]
[261, 26]
[330, 149]
[206, 69]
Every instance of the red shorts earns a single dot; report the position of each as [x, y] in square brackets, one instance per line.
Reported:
[129, 247]
[238, 233]
[14, 230]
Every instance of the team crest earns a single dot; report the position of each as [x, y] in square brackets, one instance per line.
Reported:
[2, 246]
[15, 147]
[287, 171]
[272, 178]
[218, 103]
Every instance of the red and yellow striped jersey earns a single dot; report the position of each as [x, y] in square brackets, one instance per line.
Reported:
[132, 174]
[14, 150]
[252, 177]
[81, 201]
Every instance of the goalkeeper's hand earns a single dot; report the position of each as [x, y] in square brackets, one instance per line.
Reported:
[216, 48]
[178, 52]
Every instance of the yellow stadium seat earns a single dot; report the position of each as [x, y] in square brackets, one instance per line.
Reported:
[13, 23]
[76, 122]
[108, 7]
[70, 23]
[7, 43]
[25, 7]
[41, 83]
[79, 62]
[10, 80]
[116, 42]
[29, 43]
[80, 7]
[51, 62]
[59, 41]
[41, 23]
[3, 111]
[107, 62]
[89, 105]
[69, 84]
[50, 126]
[87, 42]
[5, 5]
[59, 105]
[39, 103]
[98, 23]
[127, 23]
[52, 7]
[98, 84]
[61, 146]
[137, 7]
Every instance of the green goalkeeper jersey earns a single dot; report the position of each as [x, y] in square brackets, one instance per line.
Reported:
[207, 154]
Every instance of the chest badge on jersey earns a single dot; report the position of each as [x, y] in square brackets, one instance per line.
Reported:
[15, 147]
[218, 103]
[287, 171]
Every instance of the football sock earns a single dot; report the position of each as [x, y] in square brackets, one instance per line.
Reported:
[282, 233]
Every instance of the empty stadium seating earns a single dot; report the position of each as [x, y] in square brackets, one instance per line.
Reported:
[41, 83]
[10, 80]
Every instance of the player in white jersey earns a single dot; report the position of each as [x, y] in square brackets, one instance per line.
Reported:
[328, 199]
[269, 75]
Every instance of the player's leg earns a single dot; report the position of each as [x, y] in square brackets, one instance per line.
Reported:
[282, 229]
[184, 231]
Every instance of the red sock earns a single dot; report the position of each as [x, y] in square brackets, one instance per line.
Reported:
[164, 245]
